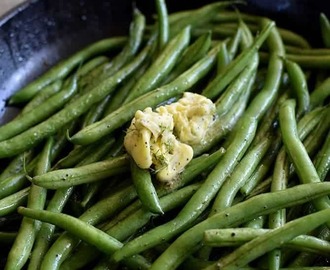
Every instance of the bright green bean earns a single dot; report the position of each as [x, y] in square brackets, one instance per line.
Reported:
[145, 188]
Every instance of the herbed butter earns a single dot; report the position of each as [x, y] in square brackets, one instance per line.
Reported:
[163, 140]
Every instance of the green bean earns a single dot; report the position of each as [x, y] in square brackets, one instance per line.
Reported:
[239, 236]
[163, 24]
[223, 58]
[39, 113]
[259, 205]
[277, 219]
[190, 56]
[145, 189]
[75, 226]
[64, 67]
[325, 29]
[22, 246]
[303, 165]
[36, 134]
[322, 160]
[215, 87]
[83, 174]
[270, 240]
[320, 93]
[41, 97]
[161, 66]
[234, 42]
[305, 61]
[299, 86]
[10, 203]
[123, 114]
[304, 51]
[97, 213]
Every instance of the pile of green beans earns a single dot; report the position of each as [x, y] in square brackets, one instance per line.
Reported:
[254, 196]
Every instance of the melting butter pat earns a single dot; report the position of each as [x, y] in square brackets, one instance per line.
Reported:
[162, 139]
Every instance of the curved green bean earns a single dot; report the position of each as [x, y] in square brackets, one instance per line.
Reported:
[10, 203]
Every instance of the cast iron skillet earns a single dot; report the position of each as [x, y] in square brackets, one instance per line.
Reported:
[41, 32]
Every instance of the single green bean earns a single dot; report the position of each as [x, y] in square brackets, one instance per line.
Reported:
[320, 93]
[299, 86]
[75, 226]
[91, 65]
[83, 174]
[325, 29]
[36, 134]
[239, 236]
[64, 67]
[261, 204]
[145, 188]
[223, 59]
[10, 203]
[126, 112]
[322, 160]
[163, 24]
[303, 165]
